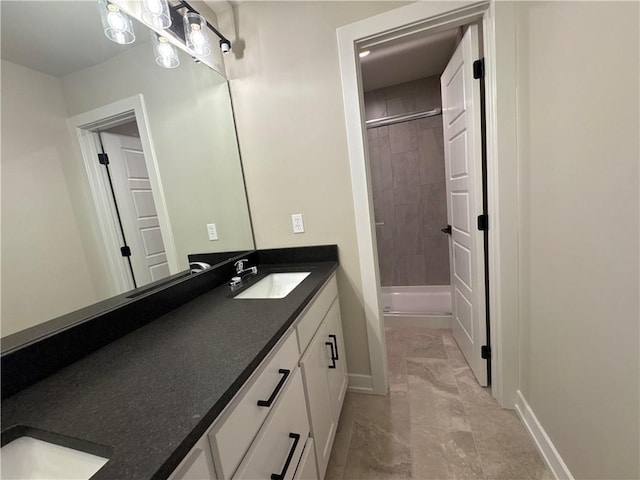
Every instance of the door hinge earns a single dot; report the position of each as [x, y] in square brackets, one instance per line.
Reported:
[125, 251]
[103, 158]
[483, 222]
[485, 352]
[478, 68]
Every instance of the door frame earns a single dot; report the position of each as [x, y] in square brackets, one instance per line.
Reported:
[498, 38]
[83, 128]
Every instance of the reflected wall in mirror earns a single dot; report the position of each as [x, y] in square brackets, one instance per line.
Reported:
[58, 65]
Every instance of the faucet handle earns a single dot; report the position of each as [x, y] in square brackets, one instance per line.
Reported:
[240, 265]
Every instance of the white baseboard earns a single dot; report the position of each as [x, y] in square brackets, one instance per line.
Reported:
[544, 444]
[360, 384]
[424, 321]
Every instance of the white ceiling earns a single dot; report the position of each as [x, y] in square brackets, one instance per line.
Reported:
[407, 59]
[57, 37]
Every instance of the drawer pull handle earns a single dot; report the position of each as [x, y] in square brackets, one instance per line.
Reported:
[267, 403]
[335, 343]
[333, 357]
[280, 476]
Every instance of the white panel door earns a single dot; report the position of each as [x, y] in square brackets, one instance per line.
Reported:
[463, 168]
[137, 208]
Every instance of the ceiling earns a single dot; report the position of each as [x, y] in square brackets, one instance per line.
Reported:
[407, 59]
[57, 37]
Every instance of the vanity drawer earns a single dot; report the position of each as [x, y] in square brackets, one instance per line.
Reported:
[233, 435]
[281, 441]
[311, 319]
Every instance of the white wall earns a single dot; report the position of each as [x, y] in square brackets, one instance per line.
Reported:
[578, 134]
[288, 101]
[40, 236]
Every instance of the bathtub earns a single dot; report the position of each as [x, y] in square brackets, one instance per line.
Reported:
[420, 306]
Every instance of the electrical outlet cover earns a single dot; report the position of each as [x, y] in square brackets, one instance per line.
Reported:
[298, 224]
[213, 232]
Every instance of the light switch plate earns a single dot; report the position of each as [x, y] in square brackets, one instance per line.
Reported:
[298, 224]
[213, 232]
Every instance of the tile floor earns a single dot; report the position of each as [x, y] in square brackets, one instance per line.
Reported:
[436, 422]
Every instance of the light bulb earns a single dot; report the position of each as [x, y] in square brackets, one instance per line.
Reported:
[195, 37]
[155, 13]
[116, 24]
[165, 52]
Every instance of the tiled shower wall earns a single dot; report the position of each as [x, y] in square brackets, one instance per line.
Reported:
[407, 171]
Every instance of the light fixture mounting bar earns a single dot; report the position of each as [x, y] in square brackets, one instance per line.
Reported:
[184, 4]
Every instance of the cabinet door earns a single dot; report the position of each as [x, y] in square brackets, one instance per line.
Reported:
[197, 465]
[315, 364]
[337, 376]
[307, 469]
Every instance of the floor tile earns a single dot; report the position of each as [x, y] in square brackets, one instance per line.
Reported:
[440, 454]
[435, 423]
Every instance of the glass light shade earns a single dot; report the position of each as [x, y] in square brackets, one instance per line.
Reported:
[195, 34]
[116, 24]
[166, 53]
[155, 13]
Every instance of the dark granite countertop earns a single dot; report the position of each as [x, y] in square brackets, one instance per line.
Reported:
[149, 396]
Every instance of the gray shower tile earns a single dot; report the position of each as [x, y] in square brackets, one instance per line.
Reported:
[375, 104]
[427, 93]
[406, 89]
[403, 137]
[406, 178]
[408, 230]
[431, 156]
[386, 257]
[429, 122]
[401, 105]
[375, 166]
[436, 253]
[409, 270]
[385, 158]
[433, 202]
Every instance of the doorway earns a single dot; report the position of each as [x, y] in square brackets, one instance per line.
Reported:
[425, 161]
[497, 21]
[124, 183]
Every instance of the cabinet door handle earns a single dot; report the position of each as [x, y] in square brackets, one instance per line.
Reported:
[267, 403]
[335, 342]
[280, 476]
[333, 358]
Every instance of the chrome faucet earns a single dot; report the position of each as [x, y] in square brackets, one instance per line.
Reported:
[241, 273]
[240, 267]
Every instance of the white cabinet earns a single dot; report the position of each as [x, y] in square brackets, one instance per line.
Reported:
[314, 366]
[324, 373]
[277, 449]
[338, 377]
[282, 423]
[307, 467]
[197, 465]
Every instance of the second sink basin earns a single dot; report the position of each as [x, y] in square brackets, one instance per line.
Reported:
[30, 458]
[274, 285]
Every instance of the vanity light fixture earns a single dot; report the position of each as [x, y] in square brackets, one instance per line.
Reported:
[194, 34]
[155, 13]
[166, 53]
[116, 24]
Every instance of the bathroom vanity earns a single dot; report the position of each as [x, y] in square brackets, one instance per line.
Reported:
[219, 387]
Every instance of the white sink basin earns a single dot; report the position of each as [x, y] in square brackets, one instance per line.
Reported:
[29, 458]
[274, 285]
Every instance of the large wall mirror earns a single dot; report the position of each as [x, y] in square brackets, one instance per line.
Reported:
[174, 166]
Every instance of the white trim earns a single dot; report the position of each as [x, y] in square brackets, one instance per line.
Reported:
[360, 384]
[82, 128]
[543, 443]
[499, 27]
